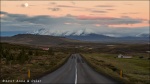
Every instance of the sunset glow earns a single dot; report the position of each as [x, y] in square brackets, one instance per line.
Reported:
[112, 14]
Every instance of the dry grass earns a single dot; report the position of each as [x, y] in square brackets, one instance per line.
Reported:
[39, 65]
[135, 70]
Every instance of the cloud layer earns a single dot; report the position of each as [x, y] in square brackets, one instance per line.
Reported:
[70, 23]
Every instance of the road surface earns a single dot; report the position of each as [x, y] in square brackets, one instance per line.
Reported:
[75, 71]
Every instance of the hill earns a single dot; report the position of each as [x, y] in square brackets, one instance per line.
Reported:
[33, 39]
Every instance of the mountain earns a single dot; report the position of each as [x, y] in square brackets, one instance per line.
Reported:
[143, 35]
[89, 35]
[33, 39]
[108, 39]
[81, 32]
[47, 40]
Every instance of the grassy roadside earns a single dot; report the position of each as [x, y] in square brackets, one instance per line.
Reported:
[38, 67]
[135, 70]
[16, 60]
[61, 62]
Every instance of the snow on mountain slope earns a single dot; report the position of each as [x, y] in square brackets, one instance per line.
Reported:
[143, 35]
[89, 35]
[80, 32]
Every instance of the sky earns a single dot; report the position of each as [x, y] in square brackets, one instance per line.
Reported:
[116, 18]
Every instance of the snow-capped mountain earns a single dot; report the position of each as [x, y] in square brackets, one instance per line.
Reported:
[89, 35]
[143, 35]
[81, 32]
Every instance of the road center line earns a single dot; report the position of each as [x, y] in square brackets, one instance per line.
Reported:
[76, 71]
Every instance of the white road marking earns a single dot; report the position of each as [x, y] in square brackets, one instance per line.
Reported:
[76, 71]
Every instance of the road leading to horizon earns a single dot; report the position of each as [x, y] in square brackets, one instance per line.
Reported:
[75, 71]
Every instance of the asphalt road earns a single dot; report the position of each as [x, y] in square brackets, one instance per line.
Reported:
[75, 71]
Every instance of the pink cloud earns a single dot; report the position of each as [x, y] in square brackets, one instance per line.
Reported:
[110, 20]
[83, 17]
[97, 25]
[67, 23]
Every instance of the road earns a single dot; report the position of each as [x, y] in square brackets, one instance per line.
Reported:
[75, 71]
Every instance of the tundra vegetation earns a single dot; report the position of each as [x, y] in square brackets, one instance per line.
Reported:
[136, 70]
[16, 60]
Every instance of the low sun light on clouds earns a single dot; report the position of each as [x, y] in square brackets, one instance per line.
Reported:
[96, 8]
[97, 15]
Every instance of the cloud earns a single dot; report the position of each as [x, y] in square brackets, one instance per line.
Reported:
[68, 6]
[69, 15]
[110, 9]
[131, 13]
[45, 19]
[126, 31]
[84, 17]
[93, 10]
[65, 6]
[97, 11]
[99, 25]
[129, 4]
[18, 26]
[111, 20]
[53, 3]
[2, 12]
[67, 23]
[105, 6]
[18, 22]
[41, 19]
[54, 9]
[73, 2]
[25, 5]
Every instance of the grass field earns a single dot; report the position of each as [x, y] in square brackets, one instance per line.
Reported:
[16, 60]
[135, 70]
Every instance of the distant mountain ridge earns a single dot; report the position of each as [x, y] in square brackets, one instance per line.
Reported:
[47, 40]
[33, 39]
[143, 35]
[81, 32]
[89, 35]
